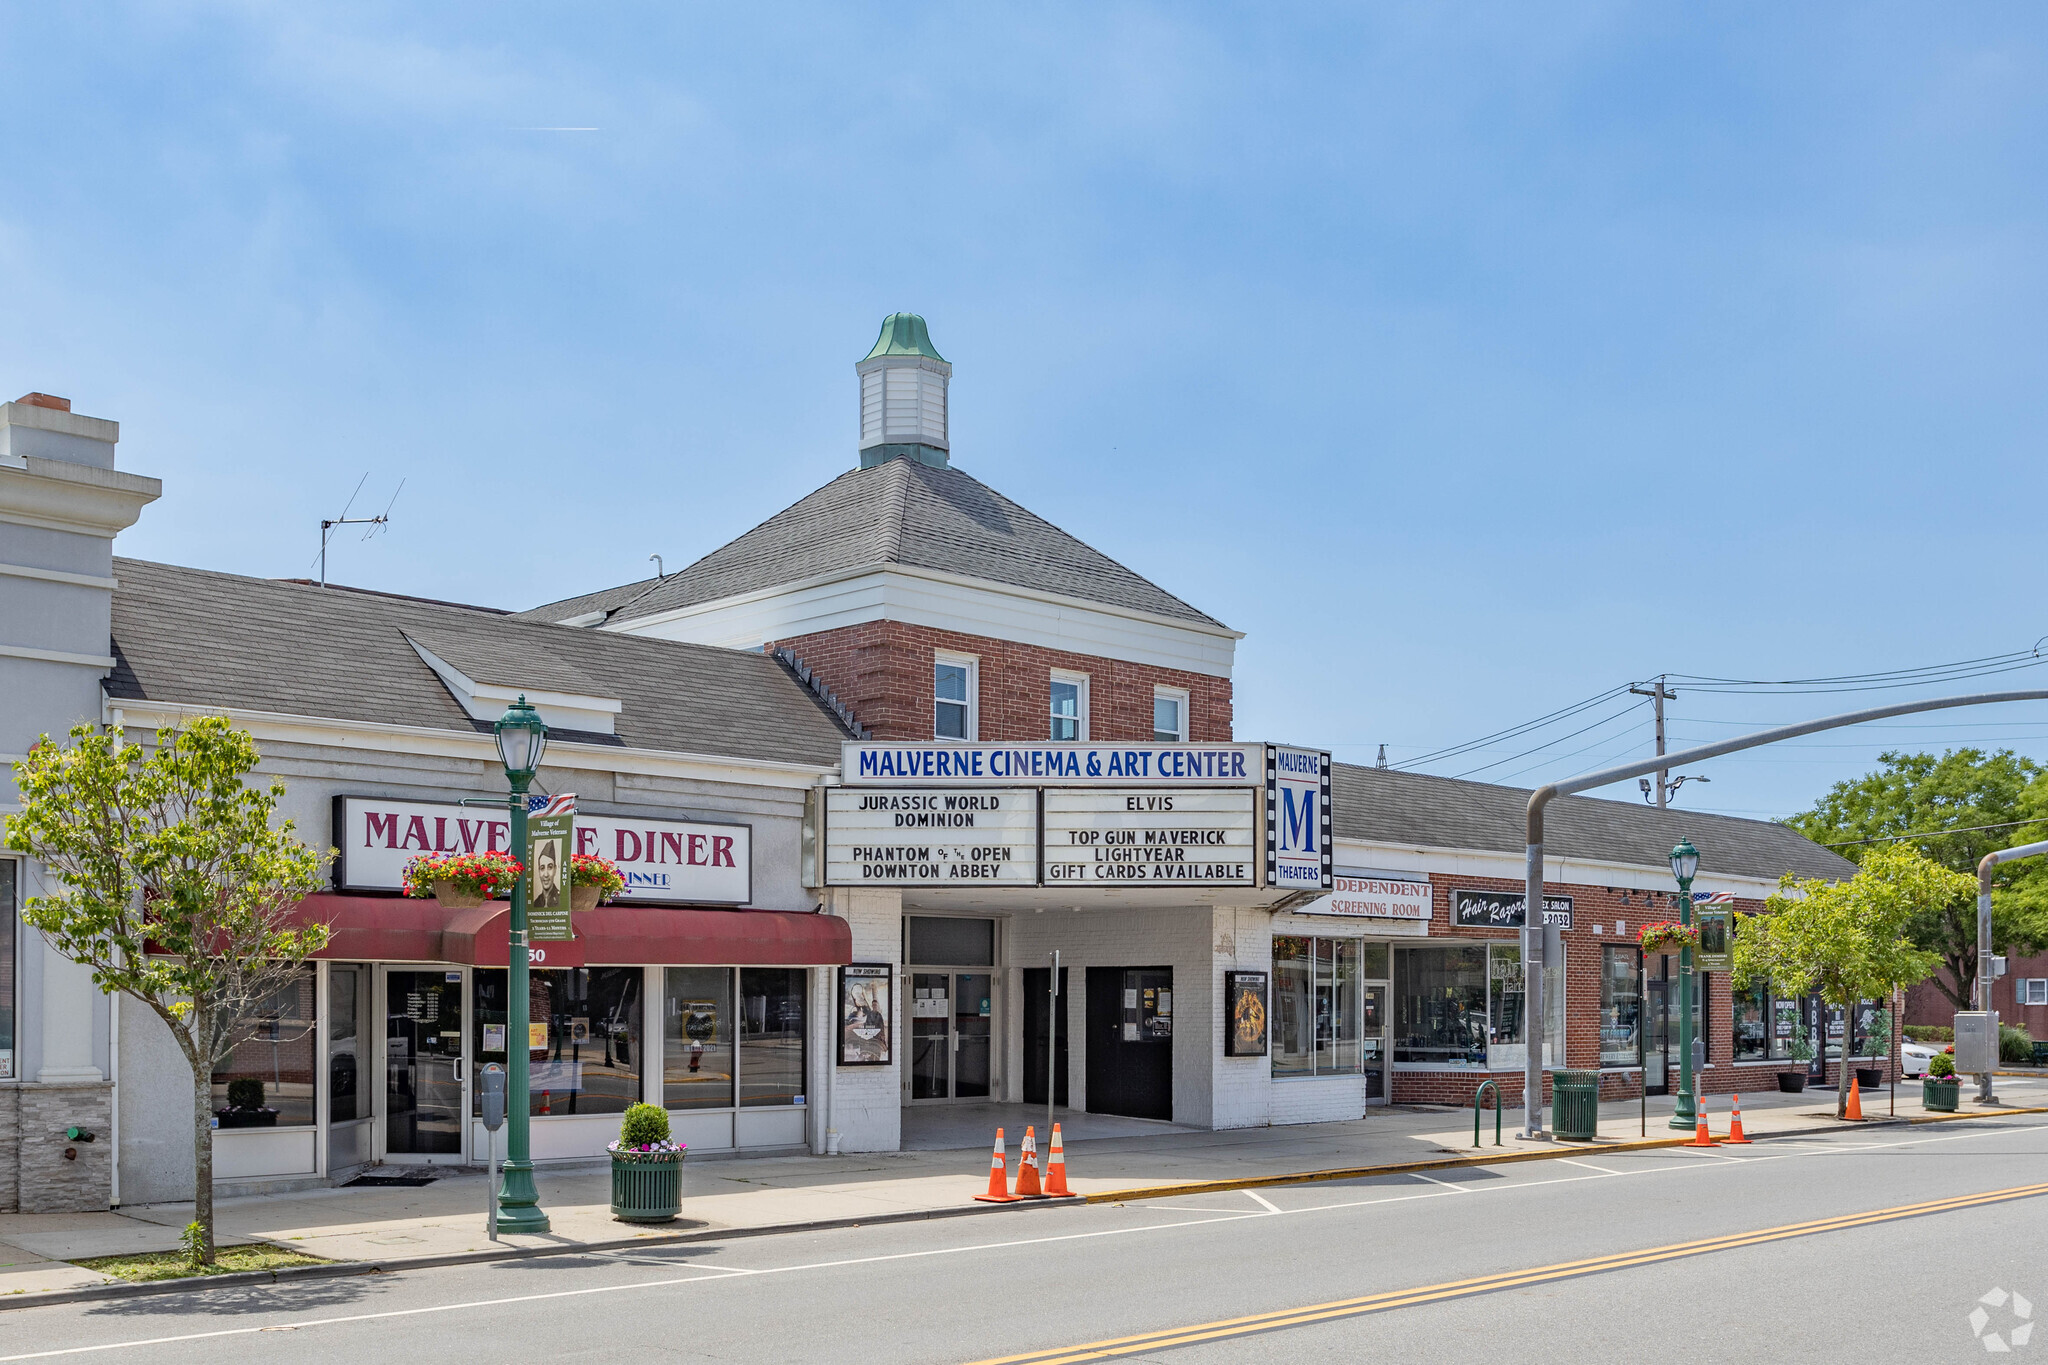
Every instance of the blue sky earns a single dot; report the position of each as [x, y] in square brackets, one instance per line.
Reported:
[1473, 359]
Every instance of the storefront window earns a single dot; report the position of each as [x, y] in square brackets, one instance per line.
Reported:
[1372, 961]
[697, 1044]
[348, 1004]
[267, 1081]
[1784, 1027]
[771, 1035]
[1336, 1004]
[1621, 1006]
[1752, 1023]
[1294, 1007]
[1440, 1011]
[10, 909]
[584, 1055]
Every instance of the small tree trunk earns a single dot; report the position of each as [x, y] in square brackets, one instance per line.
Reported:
[1842, 1080]
[202, 1156]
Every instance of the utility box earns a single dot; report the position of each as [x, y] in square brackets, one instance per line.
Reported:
[1976, 1042]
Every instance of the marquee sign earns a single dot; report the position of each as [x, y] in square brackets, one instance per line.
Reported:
[665, 862]
[1053, 764]
[908, 837]
[1098, 837]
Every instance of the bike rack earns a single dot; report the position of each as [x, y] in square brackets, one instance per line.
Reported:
[1478, 1095]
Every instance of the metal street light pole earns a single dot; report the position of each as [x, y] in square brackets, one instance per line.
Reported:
[1532, 1124]
[1984, 978]
[1685, 865]
[522, 738]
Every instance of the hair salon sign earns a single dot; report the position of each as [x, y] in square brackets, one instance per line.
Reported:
[665, 862]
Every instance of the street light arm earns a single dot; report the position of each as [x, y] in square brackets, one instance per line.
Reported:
[1532, 1075]
[2005, 855]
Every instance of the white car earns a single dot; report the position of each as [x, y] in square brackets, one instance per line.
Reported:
[1914, 1057]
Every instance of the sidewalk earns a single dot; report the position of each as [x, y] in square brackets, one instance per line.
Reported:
[392, 1227]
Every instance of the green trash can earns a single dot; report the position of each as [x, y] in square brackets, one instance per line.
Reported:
[1575, 1104]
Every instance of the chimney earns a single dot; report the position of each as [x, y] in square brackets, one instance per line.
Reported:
[903, 396]
[44, 426]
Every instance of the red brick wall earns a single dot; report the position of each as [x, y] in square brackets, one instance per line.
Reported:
[1603, 906]
[882, 670]
[1926, 1003]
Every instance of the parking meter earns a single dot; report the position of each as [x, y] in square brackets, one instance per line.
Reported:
[491, 1091]
[491, 1099]
[1699, 1056]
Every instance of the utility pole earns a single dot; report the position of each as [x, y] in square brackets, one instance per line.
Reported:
[1660, 694]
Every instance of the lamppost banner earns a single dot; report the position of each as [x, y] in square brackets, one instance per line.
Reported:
[550, 834]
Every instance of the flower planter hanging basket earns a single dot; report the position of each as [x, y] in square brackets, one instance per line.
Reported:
[462, 881]
[584, 897]
[593, 880]
[454, 897]
[1668, 937]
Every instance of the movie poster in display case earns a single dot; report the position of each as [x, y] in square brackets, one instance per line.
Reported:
[1245, 1025]
[866, 1013]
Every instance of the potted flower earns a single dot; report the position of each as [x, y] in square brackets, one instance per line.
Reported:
[1666, 936]
[1940, 1088]
[245, 1106]
[462, 881]
[1879, 1037]
[1794, 1082]
[593, 880]
[647, 1168]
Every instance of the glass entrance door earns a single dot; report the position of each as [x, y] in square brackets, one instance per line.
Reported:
[952, 1036]
[1659, 1019]
[1372, 1042]
[426, 1087]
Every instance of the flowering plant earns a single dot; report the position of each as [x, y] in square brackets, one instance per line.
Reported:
[1664, 936]
[664, 1146]
[587, 869]
[490, 875]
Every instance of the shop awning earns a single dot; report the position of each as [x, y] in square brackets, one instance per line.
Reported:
[394, 929]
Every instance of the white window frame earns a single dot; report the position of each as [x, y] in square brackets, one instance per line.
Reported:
[1080, 682]
[973, 666]
[2035, 991]
[1179, 694]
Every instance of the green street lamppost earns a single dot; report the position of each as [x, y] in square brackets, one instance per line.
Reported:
[1685, 865]
[522, 739]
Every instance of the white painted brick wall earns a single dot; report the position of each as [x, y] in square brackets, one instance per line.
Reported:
[866, 1101]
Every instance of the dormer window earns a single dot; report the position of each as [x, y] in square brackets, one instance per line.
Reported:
[954, 685]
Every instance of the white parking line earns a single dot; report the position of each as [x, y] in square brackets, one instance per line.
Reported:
[1261, 1200]
[1445, 1183]
[1570, 1161]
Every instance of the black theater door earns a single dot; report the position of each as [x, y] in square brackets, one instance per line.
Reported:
[1130, 1041]
[1037, 980]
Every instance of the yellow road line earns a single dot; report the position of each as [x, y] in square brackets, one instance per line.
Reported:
[1487, 1284]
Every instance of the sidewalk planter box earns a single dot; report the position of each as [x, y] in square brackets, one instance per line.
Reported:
[1791, 1082]
[647, 1187]
[1870, 1077]
[1939, 1096]
[1575, 1104]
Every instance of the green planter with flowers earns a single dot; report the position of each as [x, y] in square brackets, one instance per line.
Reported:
[647, 1168]
[1940, 1089]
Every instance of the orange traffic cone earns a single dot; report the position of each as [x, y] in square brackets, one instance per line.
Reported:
[1855, 1114]
[998, 1190]
[1027, 1167]
[1700, 1137]
[1056, 1168]
[1735, 1137]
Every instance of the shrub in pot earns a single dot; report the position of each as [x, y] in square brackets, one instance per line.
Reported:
[647, 1167]
[1794, 1082]
[1940, 1089]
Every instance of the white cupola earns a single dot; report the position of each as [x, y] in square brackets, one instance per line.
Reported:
[903, 396]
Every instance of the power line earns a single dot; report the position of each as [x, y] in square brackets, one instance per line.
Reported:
[1929, 833]
[1604, 720]
[1513, 731]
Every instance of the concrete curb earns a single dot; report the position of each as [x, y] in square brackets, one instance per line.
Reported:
[339, 1269]
[1502, 1157]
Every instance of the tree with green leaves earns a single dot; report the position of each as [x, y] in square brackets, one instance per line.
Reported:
[178, 888]
[1945, 803]
[1848, 940]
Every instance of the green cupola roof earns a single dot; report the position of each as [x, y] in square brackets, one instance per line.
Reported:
[903, 334]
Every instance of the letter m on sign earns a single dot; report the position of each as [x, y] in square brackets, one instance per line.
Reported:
[1298, 821]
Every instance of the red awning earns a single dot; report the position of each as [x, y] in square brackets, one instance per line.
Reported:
[395, 929]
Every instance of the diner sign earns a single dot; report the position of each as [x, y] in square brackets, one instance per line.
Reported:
[1149, 836]
[1062, 764]
[1506, 910]
[931, 837]
[1374, 898]
[664, 862]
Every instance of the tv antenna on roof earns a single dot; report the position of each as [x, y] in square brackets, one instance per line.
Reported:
[327, 524]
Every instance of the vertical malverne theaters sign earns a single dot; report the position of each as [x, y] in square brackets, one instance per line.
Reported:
[1298, 853]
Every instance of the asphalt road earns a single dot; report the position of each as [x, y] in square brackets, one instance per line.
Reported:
[1869, 1246]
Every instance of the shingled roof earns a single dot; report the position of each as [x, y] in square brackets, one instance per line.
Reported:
[198, 638]
[897, 513]
[1382, 805]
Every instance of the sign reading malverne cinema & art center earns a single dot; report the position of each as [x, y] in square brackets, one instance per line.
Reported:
[665, 862]
[1058, 814]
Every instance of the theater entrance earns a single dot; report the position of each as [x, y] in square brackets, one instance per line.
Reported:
[1130, 1042]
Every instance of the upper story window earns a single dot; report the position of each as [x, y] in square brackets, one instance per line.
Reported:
[954, 686]
[1169, 715]
[1069, 706]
